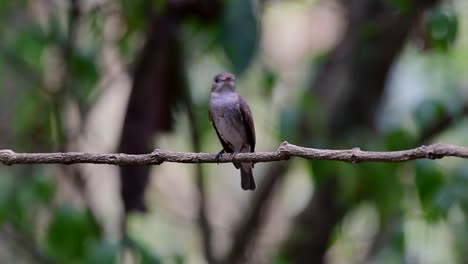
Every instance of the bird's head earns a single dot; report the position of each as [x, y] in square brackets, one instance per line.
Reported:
[224, 82]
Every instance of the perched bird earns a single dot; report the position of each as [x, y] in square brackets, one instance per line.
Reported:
[232, 120]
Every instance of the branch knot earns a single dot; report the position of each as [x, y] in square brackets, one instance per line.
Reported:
[432, 152]
[156, 157]
[4, 155]
[354, 155]
[285, 150]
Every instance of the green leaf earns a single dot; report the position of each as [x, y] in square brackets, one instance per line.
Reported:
[133, 12]
[5, 7]
[6, 185]
[159, 6]
[428, 113]
[20, 194]
[459, 187]
[269, 80]
[146, 257]
[404, 6]
[319, 170]
[380, 183]
[102, 252]
[202, 119]
[280, 259]
[397, 242]
[454, 191]
[83, 67]
[29, 46]
[442, 28]
[70, 233]
[179, 259]
[429, 180]
[239, 33]
[399, 139]
[288, 124]
[43, 188]
[370, 30]
[22, 205]
[348, 183]
[33, 113]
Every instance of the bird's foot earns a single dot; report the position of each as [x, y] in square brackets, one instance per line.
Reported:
[233, 154]
[219, 156]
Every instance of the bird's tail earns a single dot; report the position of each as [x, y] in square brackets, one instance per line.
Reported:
[247, 179]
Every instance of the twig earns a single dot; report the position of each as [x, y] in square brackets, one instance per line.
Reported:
[442, 124]
[284, 152]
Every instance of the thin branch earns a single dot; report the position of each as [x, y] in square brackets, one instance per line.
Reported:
[442, 124]
[284, 152]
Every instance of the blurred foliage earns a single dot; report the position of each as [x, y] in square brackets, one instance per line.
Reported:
[22, 195]
[75, 223]
[85, 71]
[399, 138]
[289, 124]
[28, 118]
[28, 48]
[454, 191]
[239, 33]
[442, 27]
[401, 5]
[429, 180]
[428, 113]
[269, 81]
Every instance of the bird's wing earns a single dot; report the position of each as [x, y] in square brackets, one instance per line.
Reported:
[225, 144]
[247, 119]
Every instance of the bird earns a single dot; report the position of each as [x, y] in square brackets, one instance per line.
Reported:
[232, 120]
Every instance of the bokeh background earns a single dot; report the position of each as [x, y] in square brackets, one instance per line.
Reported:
[132, 76]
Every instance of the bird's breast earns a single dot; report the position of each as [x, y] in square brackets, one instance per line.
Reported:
[228, 120]
[222, 104]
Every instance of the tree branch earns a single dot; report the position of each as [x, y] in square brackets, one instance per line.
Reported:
[284, 152]
[444, 122]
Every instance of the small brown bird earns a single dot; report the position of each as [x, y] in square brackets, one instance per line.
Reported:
[232, 120]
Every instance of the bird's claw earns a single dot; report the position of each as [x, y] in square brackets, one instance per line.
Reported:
[219, 156]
